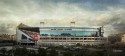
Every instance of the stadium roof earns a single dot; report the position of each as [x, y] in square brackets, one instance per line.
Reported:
[25, 27]
[68, 27]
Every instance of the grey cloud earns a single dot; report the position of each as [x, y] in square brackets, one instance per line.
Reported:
[32, 12]
[93, 4]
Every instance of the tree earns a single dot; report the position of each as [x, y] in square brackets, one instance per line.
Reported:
[53, 52]
[42, 52]
[78, 44]
[114, 38]
[80, 53]
[68, 53]
[92, 53]
[10, 52]
[32, 53]
[21, 51]
[3, 51]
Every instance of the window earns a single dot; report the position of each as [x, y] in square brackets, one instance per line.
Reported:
[85, 38]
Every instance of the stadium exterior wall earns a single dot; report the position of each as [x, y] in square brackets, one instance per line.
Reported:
[52, 40]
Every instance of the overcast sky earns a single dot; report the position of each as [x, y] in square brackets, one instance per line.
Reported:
[110, 13]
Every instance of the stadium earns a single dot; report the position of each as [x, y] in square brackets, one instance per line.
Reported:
[55, 36]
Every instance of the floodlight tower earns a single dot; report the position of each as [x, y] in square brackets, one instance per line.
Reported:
[42, 24]
[102, 31]
[72, 23]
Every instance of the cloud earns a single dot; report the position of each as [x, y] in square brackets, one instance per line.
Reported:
[109, 13]
[113, 20]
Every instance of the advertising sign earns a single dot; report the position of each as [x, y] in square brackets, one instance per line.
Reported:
[35, 37]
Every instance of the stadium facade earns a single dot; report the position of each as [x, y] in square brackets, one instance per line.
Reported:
[55, 36]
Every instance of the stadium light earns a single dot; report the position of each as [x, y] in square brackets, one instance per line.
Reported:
[42, 24]
[72, 23]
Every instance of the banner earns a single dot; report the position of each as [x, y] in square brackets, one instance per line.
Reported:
[35, 37]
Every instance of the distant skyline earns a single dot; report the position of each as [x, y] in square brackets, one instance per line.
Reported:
[110, 13]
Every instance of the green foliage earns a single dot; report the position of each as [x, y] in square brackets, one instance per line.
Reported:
[53, 52]
[68, 53]
[3, 51]
[78, 44]
[21, 51]
[80, 53]
[42, 52]
[114, 38]
[10, 52]
[32, 53]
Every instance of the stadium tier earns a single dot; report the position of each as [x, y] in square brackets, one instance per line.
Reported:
[55, 36]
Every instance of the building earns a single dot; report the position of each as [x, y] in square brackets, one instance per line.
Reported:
[7, 37]
[123, 37]
[25, 34]
[55, 36]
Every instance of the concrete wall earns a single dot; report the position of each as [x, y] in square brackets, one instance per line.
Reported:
[68, 41]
